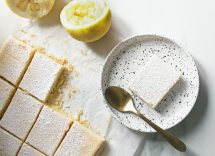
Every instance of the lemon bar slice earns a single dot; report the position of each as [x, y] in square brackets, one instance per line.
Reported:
[11, 69]
[154, 81]
[48, 131]
[80, 141]
[17, 49]
[9, 145]
[6, 93]
[15, 57]
[21, 114]
[27, 150]
[41, 76]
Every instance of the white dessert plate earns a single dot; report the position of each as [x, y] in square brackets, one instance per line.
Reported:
[128, 57]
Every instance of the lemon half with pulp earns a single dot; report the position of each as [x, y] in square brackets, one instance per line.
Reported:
[30, 8]
[86, 20]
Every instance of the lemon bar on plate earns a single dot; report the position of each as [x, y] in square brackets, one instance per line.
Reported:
[21, 114]
[41, 76]
[6, 93]
[9, 145]
[48, 131]
[80, 141]
[27, 150]
[15, 57]
[154, 81]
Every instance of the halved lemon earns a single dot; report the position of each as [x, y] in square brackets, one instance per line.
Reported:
[86, 20]
[30, 8]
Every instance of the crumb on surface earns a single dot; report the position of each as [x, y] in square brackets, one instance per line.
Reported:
[56, 98]
[23, 31]
[78, 118]
[33, 35]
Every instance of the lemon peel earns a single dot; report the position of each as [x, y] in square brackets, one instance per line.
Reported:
[86, 20]
[32, 9]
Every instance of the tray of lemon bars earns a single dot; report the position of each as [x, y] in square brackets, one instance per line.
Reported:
[29, 77]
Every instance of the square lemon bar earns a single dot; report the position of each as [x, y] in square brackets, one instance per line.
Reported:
[6, 93]
[27, 150]
[17, 49]
[48, 131]
[41, 76]
[154, 81]
[9, 145]
[80, 141]
[15, 57]
[21, 114]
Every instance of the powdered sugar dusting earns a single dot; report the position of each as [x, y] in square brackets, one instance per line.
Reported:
[80, 141]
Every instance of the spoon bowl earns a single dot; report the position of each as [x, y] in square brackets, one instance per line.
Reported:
[120, 99]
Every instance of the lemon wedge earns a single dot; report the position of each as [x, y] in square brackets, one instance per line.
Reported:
[30, 8]
[86, 20]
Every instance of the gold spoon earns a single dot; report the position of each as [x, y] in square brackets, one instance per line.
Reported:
[122, 101]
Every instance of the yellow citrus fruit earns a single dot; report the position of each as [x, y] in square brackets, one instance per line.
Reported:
[30, 8]
[86, 20]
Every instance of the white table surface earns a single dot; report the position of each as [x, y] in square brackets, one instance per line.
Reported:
[191, 23]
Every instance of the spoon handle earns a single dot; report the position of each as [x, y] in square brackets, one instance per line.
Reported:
[172, 139]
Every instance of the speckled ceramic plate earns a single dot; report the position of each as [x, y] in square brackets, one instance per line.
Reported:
[129, 56]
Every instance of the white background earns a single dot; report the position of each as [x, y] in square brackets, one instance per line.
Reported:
[191, 23]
